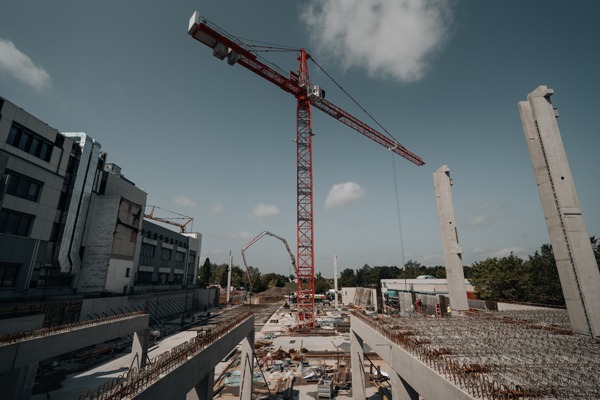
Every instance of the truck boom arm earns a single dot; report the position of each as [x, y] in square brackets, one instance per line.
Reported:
[256, 239]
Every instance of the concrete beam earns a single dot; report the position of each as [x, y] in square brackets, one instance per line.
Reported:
[33, 350]
[192, 373]
[415, 375]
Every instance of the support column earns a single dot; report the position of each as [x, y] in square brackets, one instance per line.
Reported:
[575, 260]
[358, 366]
[139, 348]
[455, 276]
[247, 367]
[17, 384]
[204, 388]
[401, 390]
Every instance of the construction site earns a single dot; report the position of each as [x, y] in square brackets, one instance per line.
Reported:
[258, 352]
[434, 341]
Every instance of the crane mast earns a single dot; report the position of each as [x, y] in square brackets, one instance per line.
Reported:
[298, 84]
[304, 193]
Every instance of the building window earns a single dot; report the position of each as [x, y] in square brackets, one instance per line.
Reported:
[165, 254]
[55, 280]
[192, 261]
[178, 279]
[23, 186]
[8, 274]
[127, 272]
[144, 278]
[28, 141]
[162, 279]
[179, 259]
[15, 223]
[147, 254]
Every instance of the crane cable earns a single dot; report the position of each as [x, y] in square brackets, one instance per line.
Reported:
[394, 168]
[398, 213]
[354, 100]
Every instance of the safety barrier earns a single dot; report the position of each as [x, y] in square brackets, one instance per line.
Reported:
[136, 380]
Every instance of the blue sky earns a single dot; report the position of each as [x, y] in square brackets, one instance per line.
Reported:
[216, 142]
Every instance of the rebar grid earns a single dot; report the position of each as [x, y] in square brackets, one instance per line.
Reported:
[501, 355]
[135, 381]
[55, 330]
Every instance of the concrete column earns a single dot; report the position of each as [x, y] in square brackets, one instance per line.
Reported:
[17, 384]
[575, 260]
[139, 348]
[357, 362]
[401, 390]
[247, 367]
[204, 388]
[457, 290]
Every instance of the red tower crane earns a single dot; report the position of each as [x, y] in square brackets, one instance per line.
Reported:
[298, 84]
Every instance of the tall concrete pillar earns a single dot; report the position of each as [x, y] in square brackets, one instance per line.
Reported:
[247, 367]
[457, 290]
[401, 390]
[358, 370]
[577, 268]
[139, 348]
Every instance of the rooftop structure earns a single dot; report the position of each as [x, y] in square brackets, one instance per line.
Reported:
[491, 355]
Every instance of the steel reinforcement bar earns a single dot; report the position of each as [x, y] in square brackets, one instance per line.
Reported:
[500, 356]
[134, 381]
[43, 332]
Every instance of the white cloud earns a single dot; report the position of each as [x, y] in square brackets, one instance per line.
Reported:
[479, 221]
[18, 66]
[216, 208]
[343, 194]
[507, 251]
[483, 204]
[430, 258]
[393, 38]
[264, 210]
[478, 250]
[183, 201]
[243, 235]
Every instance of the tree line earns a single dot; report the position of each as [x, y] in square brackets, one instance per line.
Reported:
[511, 278]
[216, 274]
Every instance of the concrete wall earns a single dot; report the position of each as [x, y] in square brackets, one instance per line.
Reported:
[29, 252]
[98, 243]
[21, 324]
[13, 356]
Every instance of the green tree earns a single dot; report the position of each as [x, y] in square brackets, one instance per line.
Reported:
[272, 279]
[347, 278]
[321, 284]
[500, 279]
[596, 247]
[257, 283]
[204, 274]
[220, 275]
[541, 279]
[363, 276]
[412, 269]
